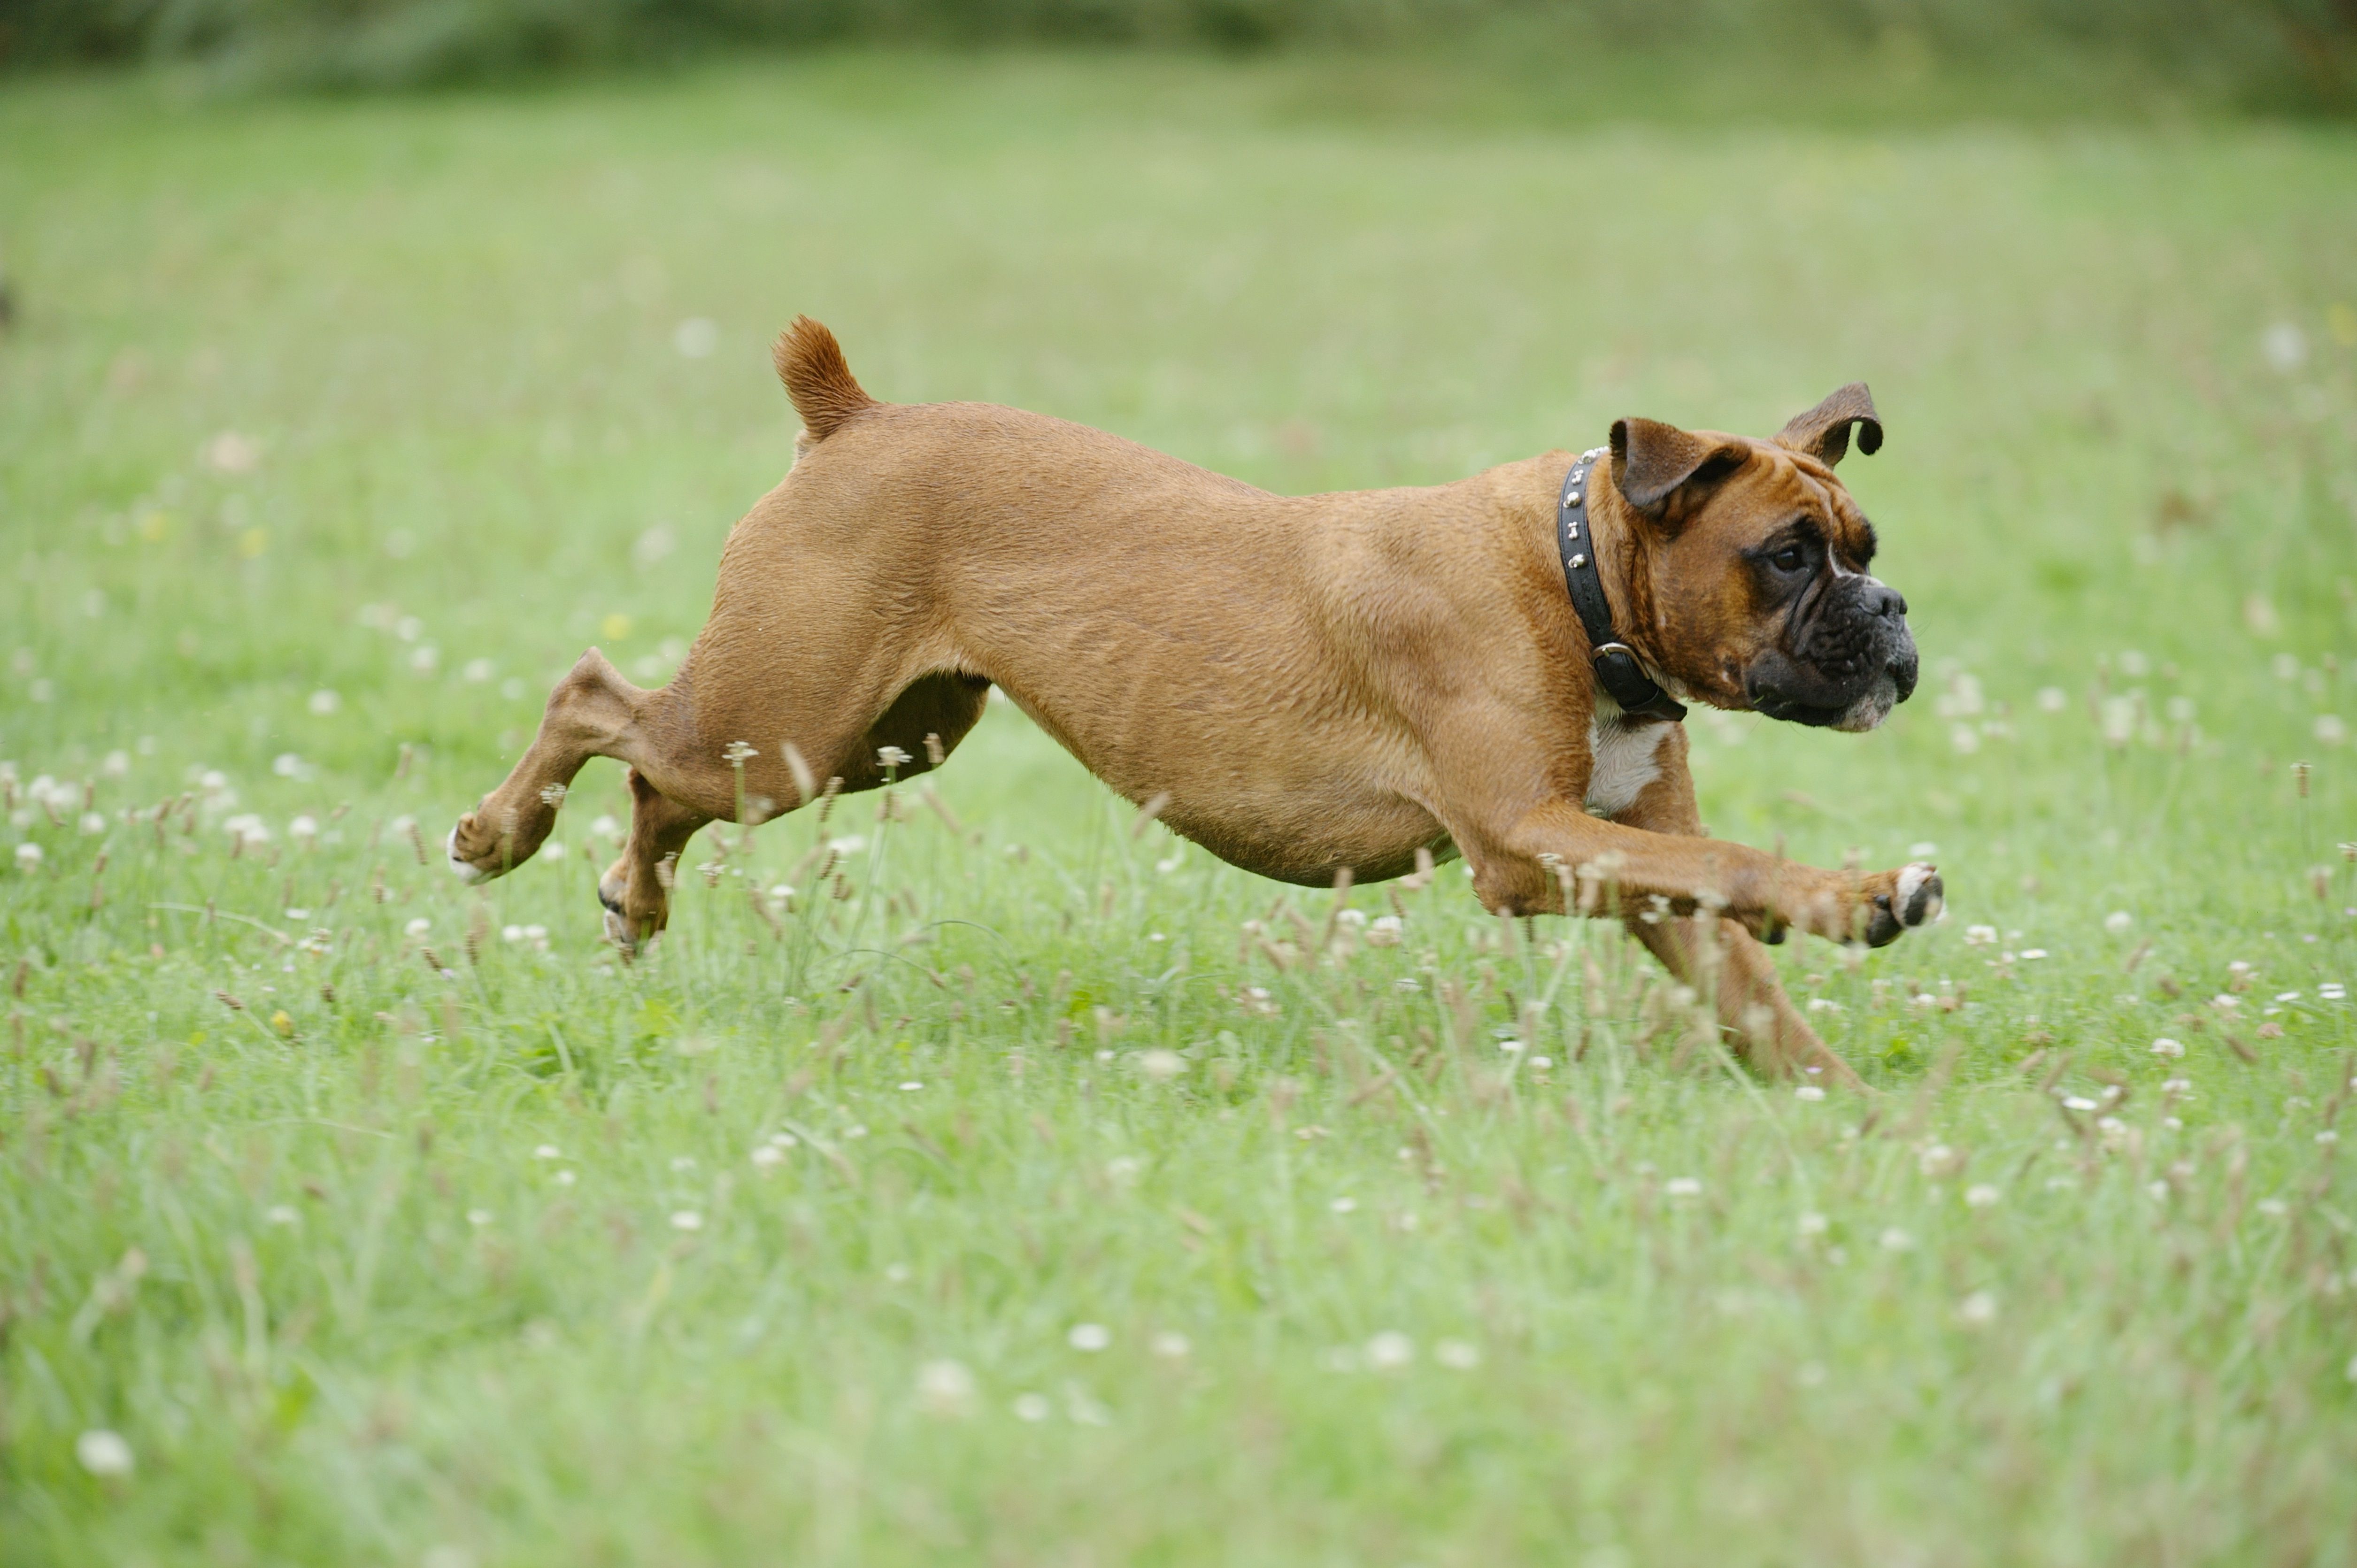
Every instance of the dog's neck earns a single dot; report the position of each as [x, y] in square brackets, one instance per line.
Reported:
[1618, 540]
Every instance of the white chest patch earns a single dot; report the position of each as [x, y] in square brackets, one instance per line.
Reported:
[1625, 759]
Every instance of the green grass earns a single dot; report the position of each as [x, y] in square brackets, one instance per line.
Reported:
[302, 1253]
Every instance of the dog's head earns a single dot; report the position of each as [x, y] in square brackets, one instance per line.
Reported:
[1752, 567]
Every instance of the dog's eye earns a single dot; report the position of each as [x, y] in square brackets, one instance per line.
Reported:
[1792, 558]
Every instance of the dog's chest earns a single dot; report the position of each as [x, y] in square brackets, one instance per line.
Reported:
[1626, 758]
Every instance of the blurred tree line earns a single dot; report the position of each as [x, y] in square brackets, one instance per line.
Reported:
[2278, 56]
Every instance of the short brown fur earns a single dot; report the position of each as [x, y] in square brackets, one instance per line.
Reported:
[1313, 684]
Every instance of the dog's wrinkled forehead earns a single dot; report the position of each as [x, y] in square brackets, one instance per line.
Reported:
[1799, 485]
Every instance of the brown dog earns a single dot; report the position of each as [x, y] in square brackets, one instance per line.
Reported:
[1312, 684]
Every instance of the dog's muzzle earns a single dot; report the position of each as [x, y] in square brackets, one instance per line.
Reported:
[1851, 663]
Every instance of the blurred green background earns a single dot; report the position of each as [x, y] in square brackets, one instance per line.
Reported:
[2041, 57]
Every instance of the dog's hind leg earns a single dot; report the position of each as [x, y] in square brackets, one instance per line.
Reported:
[593, 712]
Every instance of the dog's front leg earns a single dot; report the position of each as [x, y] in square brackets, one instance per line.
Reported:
[1764, 894]
[1767, 1030]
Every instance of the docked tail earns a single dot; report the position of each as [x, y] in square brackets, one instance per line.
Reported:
[811, 362]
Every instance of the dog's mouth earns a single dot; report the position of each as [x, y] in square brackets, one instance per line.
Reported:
[1850, 671]
[1862, 713]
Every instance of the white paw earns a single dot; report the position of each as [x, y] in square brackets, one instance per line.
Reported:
[1918, 905]
[464, 872]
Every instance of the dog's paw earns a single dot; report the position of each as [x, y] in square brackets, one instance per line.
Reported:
[473, 850]
[629, 938]
[1915, 898]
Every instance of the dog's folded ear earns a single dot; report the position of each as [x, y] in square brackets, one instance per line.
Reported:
[1653, 462]
[1823, 431]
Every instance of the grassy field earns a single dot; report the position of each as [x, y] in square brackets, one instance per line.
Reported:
[1017, 1197]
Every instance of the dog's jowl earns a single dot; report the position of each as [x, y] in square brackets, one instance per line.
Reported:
[1495, 668]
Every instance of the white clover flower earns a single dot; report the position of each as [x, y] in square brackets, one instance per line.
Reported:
[687, 1219]
[1089, 1336]
[1977, 1310]
[478, 670]
[117, 765]
[324, 701]
[1894, 1240]
[1456, 1355]
[1389, 1351]
[418, 927]
[1161, 1064]
[891, 757]
[2118, 921]
[93, 823]
[1032, 1407]
[850, 845]
[105, 1453]
[768, 1155]
[1384, 932]
[2165, 1046]
[1981, 1195]
[479, 1217]
[303, 829]
[28, 857]
[1683, 1187]
[1170, 1345]
[1980, 936]
[2052, 699]
[287, 765]
[282, 1214]
[1809, 1091]
[2031, 955]
[1814, 1225]
[548, 1151]
[945, 1388]
[1344, 1206]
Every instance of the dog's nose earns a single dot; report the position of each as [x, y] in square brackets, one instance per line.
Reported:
[1885, 601]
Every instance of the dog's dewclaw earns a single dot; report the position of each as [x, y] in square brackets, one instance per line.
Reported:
[1916, 901]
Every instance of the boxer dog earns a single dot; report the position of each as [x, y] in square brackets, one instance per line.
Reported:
[1360, 683]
